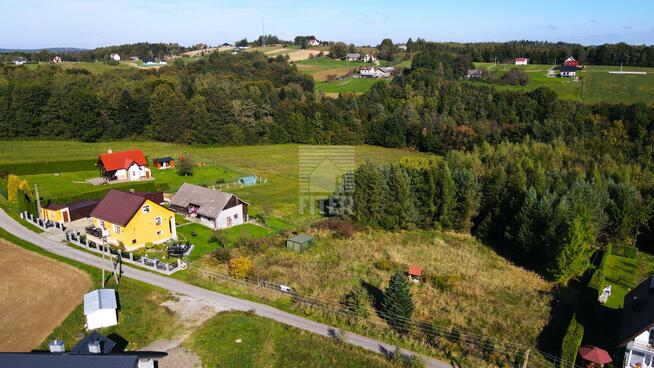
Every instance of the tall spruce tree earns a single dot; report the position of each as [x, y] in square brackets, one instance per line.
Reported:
[368, 195]
[398, 204]
[446, 196]
[397, 304]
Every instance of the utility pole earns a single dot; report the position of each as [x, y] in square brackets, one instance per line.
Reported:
[263, 31]
[524, 364]
[38, 200]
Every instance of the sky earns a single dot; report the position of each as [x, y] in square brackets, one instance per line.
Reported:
[93, 23]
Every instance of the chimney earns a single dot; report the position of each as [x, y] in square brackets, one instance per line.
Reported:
[110, 150]
[57, 346]
[94, 347]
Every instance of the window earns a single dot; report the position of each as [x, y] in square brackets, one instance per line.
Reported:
[133, 241]
[236, 215]
[159, 232]
[116, 229]
[157, 220]
[146, 208]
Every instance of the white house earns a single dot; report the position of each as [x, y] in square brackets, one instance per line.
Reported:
[521, 61]
[637, 329]
[369, 58]
[568, 71]
[312, 41]
[100, 308]
[127, 165]
[115, 57]
[372, 72]
[212, 208]
[19, 60]
[402, 47]
[56, 59]
[352, 57]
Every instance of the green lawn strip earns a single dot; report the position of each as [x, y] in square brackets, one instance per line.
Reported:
[235, 339]
[201, 240]
[355, 85]
[336, 63]
[141, 319]
[623, 274]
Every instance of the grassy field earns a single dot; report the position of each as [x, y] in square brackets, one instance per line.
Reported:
[354, 85]
[623, 274]
[203, 234]
[94, 67]
[276, 163]
[246, 341]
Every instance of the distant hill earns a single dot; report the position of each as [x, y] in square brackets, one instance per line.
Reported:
[69, 50]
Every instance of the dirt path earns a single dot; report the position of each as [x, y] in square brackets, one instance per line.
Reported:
[36, 294]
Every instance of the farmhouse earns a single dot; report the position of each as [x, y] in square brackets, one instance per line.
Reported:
[369, 58]
[521, 61]
[115, 57]
[312, 41]
[372, 72]
[474, 74]
[352, 57]
[19, 60]
[402, 47]
[164, 162]
[215, 209]
[637, 330]
[56, 59]
[100, 308]
[94, 350]
[132, 219]
[568, 71]
[126, 165]
[571, 62]
[65, 213]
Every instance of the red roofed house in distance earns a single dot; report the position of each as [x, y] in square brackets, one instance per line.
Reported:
[125, 166]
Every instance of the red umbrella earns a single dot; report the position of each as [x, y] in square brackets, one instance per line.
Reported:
[594, 354]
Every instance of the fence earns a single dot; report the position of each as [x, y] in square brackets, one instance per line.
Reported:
[149, 263]
[43, 224]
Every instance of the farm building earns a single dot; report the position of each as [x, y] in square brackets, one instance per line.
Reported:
[132, 219]
[213, 208]
[127, 165]
[571, 62]
[300, 242]
[402, 47]
[134, 58]
[415, 273]
[372, 72]
[352, 57]
[568, 71]
[521, 61]
[115, 57]
[312, 41]
[474, 73]
[164, 162]
[94, 350]
[369, 58]
[100, 308]
[19, 60]
[247, 180]
[65, 213]
[56, 59]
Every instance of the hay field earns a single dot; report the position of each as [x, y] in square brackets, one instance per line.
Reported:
[36, 295]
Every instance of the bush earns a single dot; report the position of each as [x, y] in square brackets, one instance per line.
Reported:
[340, 229]
[571, 342]
[29, 168]
[240, 267]
[443, 282]
[222, 255]
[13, 185]
[219, 238]
[185, 165]
[625, 251]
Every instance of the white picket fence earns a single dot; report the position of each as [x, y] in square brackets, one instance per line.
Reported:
[43, 224]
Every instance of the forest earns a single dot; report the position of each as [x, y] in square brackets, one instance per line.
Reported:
[546, 180]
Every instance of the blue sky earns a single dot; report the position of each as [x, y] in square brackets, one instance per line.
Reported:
[92, 23]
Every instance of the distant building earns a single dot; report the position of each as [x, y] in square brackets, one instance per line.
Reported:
[127, 165]
[571, 62]
[372, 72]
[369, 58]
[300, 242]
[521, 61]
[19, 60]
[402, 47]
[568, 71]
[312, 41]
[134, 58]
[100, 308]
[164, 162]
[115, 57]
[352, 57]
[213, 208]
[474, 73]
[226, 44]
[56, 59]
[415, 274]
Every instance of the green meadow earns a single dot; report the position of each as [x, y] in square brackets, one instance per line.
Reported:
[354, 85]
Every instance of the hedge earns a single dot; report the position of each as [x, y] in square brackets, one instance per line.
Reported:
[598, 280]
[571, 343]
[3, 188]
[148, 186]
[625, 251]
[44, 167]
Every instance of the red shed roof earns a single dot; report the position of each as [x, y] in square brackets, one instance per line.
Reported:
[415, 271]
[521, 59]
[122, 160]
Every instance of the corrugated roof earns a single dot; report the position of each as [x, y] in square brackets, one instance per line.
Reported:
[99, 299]
[50, 360]
[210, 202]
[122, 160]
[118, 207]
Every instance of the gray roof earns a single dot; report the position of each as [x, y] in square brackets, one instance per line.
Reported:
[210, 202]
[82, 346]
[637, 311]
[99, 299]
[301, 238]
[352, 56]
[50, 360]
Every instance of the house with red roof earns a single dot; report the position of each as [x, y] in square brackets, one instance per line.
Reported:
[126, 166]
[415, 273]
[521, 61]
[571, 62]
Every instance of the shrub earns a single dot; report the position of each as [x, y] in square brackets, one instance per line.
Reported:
[222, 255]
[356, 302]
[13, 185]
[625, 251]
[240, 267]
[3, 187]
[340, 229]
[443, 282]
[185, 164]
[571, 342]
[220, 181]
[219, 238]
[29, 168]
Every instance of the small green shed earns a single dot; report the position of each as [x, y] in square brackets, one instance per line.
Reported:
[299, 242]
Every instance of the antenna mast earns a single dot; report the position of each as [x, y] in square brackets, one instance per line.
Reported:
[263, 31]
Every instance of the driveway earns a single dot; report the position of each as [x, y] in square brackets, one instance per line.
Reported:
[179, 287]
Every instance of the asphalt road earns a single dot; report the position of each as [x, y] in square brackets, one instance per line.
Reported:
[176, 286]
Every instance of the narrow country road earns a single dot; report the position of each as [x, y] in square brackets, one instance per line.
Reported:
[176, 286]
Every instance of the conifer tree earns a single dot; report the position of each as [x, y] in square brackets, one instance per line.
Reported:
[397, 304]
[446, 196]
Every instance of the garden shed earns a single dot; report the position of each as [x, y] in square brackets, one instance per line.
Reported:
[247, 180]
[300, 242]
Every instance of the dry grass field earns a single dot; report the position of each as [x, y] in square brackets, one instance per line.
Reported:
[36, 295]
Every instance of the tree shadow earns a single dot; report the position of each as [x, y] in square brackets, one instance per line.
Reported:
[121, 343]
[563, 306]
[375, 293]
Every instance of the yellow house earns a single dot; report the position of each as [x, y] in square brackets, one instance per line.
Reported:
[132, 219]
[65, 213]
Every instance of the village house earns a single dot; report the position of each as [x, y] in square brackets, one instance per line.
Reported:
[164, 162]
[64, 213]
[132, 220]
[402, 47]
[352, 57]
[115, 57]
[126, 165]
[568, 71]
[637, 329]
[100, 308]
[312, 41]
[372, 72]
[19, 60]
[56, 59]
[369, 58]
[521, 61]
[474, 74]
[571, 62]
[212, 208]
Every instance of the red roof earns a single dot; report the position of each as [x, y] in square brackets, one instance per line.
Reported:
[118, 207]
[521, 59]
[122, 160]
[415, 271]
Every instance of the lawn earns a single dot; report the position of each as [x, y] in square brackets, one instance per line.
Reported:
[234, 339]
[203, 234]
[623, 274]
[355, 85]
[328, 63]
